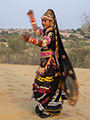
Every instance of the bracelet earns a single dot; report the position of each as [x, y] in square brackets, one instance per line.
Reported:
[33, 20]
[33, 41]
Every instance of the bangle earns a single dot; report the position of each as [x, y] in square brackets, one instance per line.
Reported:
[33, 41]
[32, 20]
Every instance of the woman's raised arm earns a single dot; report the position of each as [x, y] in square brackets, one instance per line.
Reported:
[32, 19]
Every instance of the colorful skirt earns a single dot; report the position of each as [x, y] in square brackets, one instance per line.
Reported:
[48, 93]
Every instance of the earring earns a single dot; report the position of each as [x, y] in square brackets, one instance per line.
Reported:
[51, 24]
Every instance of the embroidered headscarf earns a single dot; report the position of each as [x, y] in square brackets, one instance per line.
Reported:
[68, 77]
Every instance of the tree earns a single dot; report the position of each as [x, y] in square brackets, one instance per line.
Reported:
[79, 29]
[3, 40]
[3, 32]
[86, 23]
[73, 37]
[6, 32]
[79, 55]
[62, 37]
[74, 31]
[16, 44]
[82, 32]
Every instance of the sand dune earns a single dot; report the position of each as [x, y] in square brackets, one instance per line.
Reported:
[16, 90]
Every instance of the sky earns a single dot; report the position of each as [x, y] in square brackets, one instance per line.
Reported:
[13, 13]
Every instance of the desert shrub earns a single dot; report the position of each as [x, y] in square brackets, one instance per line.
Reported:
[82, 32]
[74, 31]
[87, 44]
[29, 56]
[3, 49]
[79, 29]
[62, 37]
[17, 45]
[19, 52]
[3, 32]
[73, 36]
[79, 55]
[85, 36]
[3, 40]
[6, 32]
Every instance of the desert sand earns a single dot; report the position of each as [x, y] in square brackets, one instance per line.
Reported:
[16, 90]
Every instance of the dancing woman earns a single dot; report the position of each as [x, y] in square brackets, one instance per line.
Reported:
[55, 73]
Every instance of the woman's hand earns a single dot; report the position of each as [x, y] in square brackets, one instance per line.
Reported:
[32, 19]
[30, 14]
[25, 37]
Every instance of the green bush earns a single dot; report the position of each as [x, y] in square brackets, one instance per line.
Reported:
[6, 32]
[82, 32]
[74, 31]
[79, 29]
[3, 32]
[62, 37]
[79, 55]
[19, 52]
[85, 36]
[73, 36]
[3, 40]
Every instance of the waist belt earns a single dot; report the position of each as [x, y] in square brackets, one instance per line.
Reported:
[47, 53]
